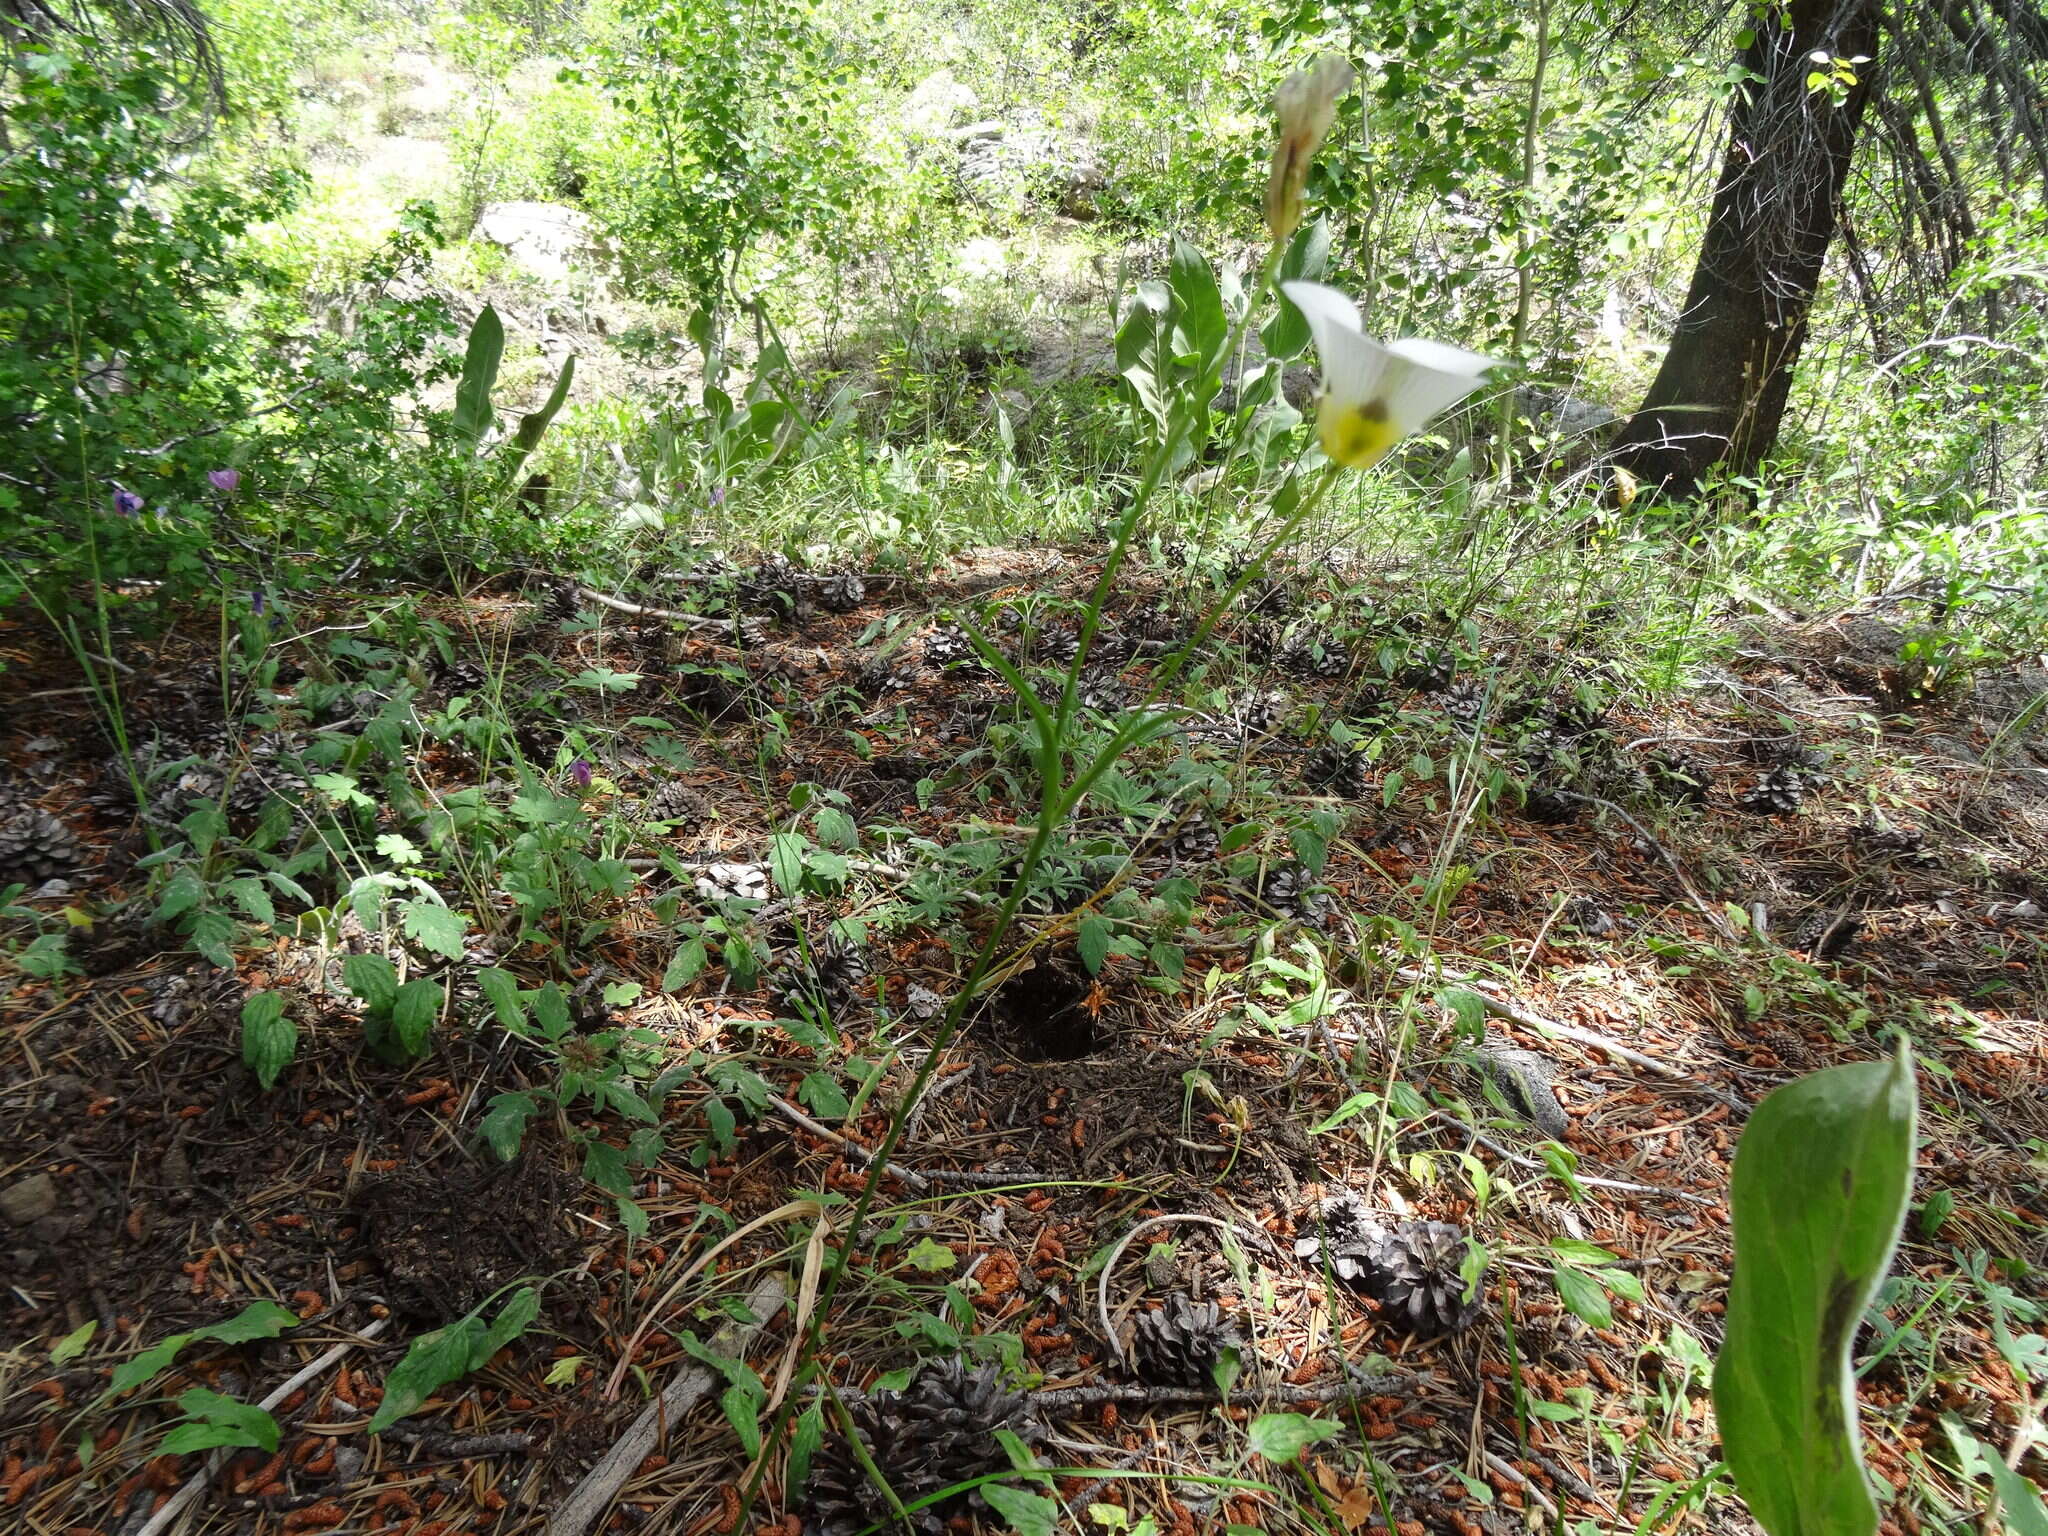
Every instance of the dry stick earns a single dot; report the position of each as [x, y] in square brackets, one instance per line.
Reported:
[590, 1497]
[196, 1484]
[916, 1181]
[1521, 1479]
[642, 611]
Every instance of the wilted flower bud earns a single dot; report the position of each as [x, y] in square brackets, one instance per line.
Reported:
[1306, 105]
[579, 773]
[127, 503]
[224, 479]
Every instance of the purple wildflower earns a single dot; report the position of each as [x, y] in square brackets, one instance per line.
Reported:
[225, 480]
[718, 495]
[579, 773]
[256, 602]
[127, 503]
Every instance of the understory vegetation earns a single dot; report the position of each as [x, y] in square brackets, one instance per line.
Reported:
[760, 774]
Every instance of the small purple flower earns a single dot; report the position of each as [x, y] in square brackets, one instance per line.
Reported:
[256, 602]
[718, 495]
[579, 773]
[224, 480]
[126, 503]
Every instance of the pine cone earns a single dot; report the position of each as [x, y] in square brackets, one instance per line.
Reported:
[1181, 1344]
[948, 647]
[36, 846]
[1542, 802]
[1105, 693]
[1412, 1269]
[1342, 1235]
[770, 587]
[1338, 770]
[1305, 656]
[561, 602]
[1875, 837]
[460, 677]
[677, 801]
[1196, 843]
[1679, 776]
[1464, 702]
[1371, 703]
[842, 591]
[826, 981]
[1058, 647]
[1261, 639]
[1153, 622]
[1428, 671]
[938, 1431]
[1291, 890]
[1258, 710]
[1778, 793]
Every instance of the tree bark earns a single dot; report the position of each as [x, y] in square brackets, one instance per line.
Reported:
[1720, 395]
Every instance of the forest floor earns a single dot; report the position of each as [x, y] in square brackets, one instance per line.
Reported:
[1765, 873]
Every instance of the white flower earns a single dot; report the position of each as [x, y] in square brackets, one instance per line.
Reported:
[1374, 395]
[1306, 105]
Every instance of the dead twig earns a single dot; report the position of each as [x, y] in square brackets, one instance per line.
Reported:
[593, 1495]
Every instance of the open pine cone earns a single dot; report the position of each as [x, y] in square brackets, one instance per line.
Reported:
[938, 1431]
[1180, 1344]
[1411, 1268]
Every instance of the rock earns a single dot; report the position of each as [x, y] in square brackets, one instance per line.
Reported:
[1563, 413]
[937, 103]
[1013, 165]
[1524, 1079]
[28, 1200]
[544, 239]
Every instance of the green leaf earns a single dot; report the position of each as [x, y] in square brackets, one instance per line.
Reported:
[504, 1123]
[147, 1366]
[605, 1166]
[1822, 1179]
[563, 1372]
[258, 1320]
[804, 1440]
[742, 1408]
[1028, 1514]
[431, 1362]
[1198, 305]
[473, 414]
[824, 1095]
[931, 1257]
[182, 892]
[1572, 1251]
[786, 859]
[216, 1421]
[1282, 1437]
[269, 1039]
[373, 979]
[1093, 942]
[212, 932]
[684, 966]
[72, 1345]
[2021, 1500]
[1468, 1008]
[501, 988]
[433, 926]
[551, 1011]
[413, 1012]
[1582, 1295]
[513, 1319]
[531, 425]
[1357, 1104]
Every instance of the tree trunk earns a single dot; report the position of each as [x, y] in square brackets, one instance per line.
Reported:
[1721, 392]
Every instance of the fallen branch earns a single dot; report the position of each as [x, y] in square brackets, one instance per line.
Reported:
[854, 1149]
[600, 1485]
[196, 1484]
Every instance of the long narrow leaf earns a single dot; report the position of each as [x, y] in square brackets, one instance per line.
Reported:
[534, 423]
[473, 414]
[1822, 1179]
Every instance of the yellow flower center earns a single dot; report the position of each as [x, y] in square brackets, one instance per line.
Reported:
[1356, 436]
